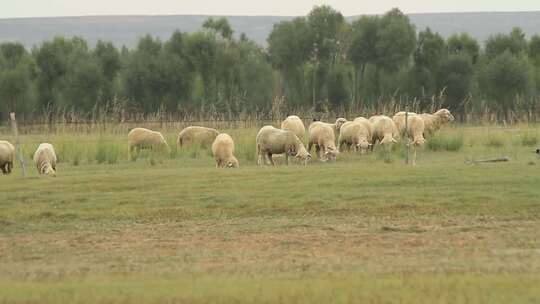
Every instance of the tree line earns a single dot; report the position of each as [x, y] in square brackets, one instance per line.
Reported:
[315, 62]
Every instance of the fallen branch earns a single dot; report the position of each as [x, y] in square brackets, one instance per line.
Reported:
[489, 160]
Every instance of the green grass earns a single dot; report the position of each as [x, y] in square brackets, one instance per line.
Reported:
[177, 230]
[449, 141]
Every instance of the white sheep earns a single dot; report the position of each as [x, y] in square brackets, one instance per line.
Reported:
[399, 120]
[45, 159]
[141, 138]
[272, 141]
[433, 122]
[223, 151]
[7, 156]
[197, 135]
[322, 136]
[294, 124]
[356, 134]
[384, 130]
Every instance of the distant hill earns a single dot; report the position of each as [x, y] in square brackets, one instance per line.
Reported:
[125, 30]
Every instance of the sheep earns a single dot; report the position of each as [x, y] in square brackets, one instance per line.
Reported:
[335, 126]
[141, 138]
[197, 135]
[7, 155]
[45, 159]
[384, 130]
[223, 151]
[433, 122]
[272, 141]
[294, 124]
[399, 120]
[321, 135]
[357, 134]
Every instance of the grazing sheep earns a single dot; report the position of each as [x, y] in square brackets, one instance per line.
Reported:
[141, 138]
[357, 134]
[399, 120]
[335, 126]
[322, 136]
[272, 141]
[384, 130]
[7, 155]
[45, 159]
[433, 122]
[223, 150]
[294, 124]
[197, 135]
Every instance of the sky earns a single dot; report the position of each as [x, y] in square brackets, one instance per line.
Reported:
[50, 8]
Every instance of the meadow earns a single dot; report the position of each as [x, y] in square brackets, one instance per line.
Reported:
[365, 229]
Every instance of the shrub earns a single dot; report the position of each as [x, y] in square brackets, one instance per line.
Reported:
[495, 141]
[446, 142]
[529, 139]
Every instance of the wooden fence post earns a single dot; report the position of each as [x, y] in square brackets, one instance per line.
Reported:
[17, 141]
[407, 141]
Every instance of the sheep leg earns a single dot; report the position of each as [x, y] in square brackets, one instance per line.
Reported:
[269, 155]
[318, 151]
[4, 171]
[287, 158]
[9, 167]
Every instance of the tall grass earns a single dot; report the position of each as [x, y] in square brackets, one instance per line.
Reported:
[442, 141]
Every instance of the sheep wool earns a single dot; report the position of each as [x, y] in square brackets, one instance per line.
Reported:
[270, 141]
[45, 159]
[223, 151]
[197, 135]
[7, 156]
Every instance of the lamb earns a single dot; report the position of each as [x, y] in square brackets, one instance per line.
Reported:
[271, 141]
[357, 134]
[433, 122]
[7, 156]
[321, 135]
[197, 135]
[223, 150]
[294, 124]
[45, 159]
[384, 130]
[141, 138]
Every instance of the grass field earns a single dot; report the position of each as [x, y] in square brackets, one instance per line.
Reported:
[366, 229]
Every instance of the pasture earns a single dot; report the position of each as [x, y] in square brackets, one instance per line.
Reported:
[367, 228]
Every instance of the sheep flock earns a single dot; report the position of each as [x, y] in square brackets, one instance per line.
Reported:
[361, 135]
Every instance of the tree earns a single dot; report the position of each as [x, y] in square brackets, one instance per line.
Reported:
[456, 76]
[16, 69]
[506, 77]
[430, 51]
[534, 50]
[220, 26]
[396, 40]
[515, 43]
[108, 59]
[289, 48]
[464, 44]
[362, 50]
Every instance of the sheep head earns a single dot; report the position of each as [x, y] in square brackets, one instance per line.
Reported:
[363, 145]
[339, 122]
[232, 163]
[331, 153]
[303, 155]
[445, 115]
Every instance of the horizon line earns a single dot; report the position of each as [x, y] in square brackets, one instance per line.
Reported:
[264, 15]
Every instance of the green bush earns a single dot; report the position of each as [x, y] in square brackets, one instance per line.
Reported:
[495, 141]
[446, 142]
[529, 139]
